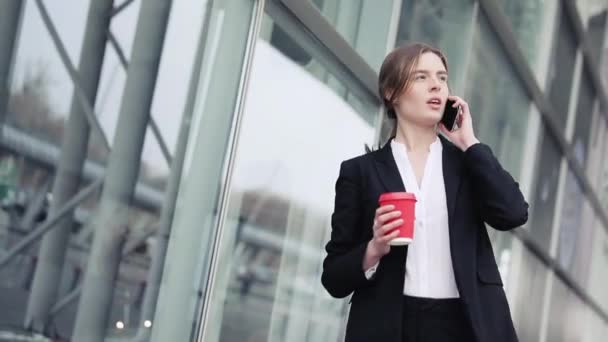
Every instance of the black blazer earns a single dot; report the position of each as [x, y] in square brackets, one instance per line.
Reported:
[477, 189]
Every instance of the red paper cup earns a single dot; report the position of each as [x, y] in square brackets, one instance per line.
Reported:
[404, 202]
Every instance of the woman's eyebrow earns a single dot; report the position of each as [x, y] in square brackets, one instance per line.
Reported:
[427, 72]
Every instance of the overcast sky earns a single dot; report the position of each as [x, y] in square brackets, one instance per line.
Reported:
[36, 50]
[288, 115]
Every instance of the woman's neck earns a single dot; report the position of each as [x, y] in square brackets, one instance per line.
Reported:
[416, 138]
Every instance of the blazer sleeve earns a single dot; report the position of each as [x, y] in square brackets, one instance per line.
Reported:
[343, 265]
[502, 205]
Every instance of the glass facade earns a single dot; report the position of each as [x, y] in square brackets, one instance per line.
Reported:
[179, 186]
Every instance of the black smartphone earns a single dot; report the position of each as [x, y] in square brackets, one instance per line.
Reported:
[450, 114]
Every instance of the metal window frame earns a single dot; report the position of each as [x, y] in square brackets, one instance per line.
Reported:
[341, 51]
[203, 314]
[502, 29]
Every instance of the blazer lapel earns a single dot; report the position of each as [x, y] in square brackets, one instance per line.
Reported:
[452, 174]
[387, 169]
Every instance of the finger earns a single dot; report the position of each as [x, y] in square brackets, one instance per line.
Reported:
[464, 109]
[456, 99]
[388, 237]
[390, 226]
[385, 217]
[384, 209]
[387, 228]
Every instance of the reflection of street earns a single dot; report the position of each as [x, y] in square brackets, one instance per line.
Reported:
[258, 305]
[12, 334]
[24, 208]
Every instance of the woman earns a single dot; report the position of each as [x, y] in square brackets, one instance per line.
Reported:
[445, 285]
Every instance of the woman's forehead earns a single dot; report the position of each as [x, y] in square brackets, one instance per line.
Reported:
[429, 61]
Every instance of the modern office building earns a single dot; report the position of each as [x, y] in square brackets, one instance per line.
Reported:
[167, 168]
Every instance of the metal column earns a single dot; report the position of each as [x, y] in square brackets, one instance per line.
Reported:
[10, 15]
[123, 168]
[67, 181]
[170, 200]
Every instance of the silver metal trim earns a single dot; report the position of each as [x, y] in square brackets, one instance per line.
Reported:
[325, 33]
[254, 30]
[286, 19]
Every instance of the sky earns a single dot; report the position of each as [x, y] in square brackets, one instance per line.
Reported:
[36, 50]
[288, 112]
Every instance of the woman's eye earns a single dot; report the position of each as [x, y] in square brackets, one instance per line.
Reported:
[420, 77]
[443, 79]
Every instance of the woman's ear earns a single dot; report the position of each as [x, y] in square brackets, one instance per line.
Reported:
[388, 93]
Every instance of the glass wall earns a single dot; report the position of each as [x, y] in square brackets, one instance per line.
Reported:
[214, 227]
[527, 308]
[448, 25]
[268, 288]
[41, 101]
[561, 68]
[528, 19]
[367, 26]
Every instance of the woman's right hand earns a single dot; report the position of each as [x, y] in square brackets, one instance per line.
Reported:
[379, 245]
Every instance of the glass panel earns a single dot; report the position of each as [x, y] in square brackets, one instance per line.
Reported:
[39, 105]
[529, 297]
[217, 91]
[446, 24]
[598, 264]
[594, 327]
[269, 288]
[363, 24]
[584, 115]
[114, 75]
[575, 230]
[42, 89]
[527, 18]
[561, 68]
[542, 202]
[596, 32]
[30, 160]
[571, 319]
[497, 100]
[588, 10]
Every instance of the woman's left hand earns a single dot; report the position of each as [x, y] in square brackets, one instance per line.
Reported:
[463, 136]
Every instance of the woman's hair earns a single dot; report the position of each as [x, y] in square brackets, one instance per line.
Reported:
[396, 71]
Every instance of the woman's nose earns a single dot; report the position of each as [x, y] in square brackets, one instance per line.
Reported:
[435, 84]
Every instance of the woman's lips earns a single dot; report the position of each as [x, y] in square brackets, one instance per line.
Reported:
[434, 106]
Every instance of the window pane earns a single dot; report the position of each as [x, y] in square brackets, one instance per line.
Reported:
[561, 68]
[532, 277]
[575, 230]
[365, 25]
[287, 161]
[217, 90]
[584, 115]
[446, 24]
[527, 19]
[498, 103]
[542, 203]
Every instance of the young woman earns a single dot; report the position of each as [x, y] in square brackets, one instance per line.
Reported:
[445, 285]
